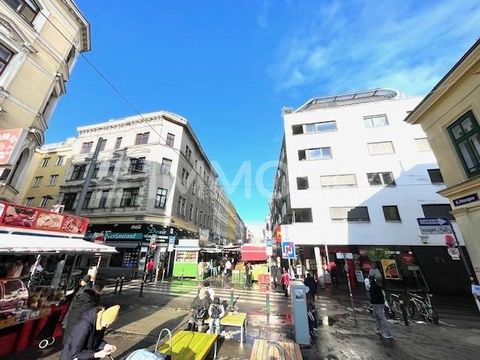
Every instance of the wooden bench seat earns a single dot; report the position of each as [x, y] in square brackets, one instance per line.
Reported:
[275, 350]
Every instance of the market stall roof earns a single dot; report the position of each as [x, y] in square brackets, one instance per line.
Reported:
[252, 252]
[31, 244]
[232, 248]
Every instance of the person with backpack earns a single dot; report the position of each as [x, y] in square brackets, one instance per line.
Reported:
[216, 312]
[200, 306]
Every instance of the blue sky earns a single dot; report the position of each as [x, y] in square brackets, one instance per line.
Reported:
[230, 66]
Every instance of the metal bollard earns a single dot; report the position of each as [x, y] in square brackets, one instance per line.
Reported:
[267, 305]
[231, 300]
[141, 285]
[116, 284]
[121, 285]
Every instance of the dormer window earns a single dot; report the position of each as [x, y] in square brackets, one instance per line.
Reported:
[27, 9]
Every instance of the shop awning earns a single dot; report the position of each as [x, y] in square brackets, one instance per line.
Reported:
[31, 244]
[252, 252]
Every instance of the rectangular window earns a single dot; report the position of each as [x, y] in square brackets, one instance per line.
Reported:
[381, 179]
[86, 202]
[380, 148]
[44, 201]
[375, 120]
[129, 197]
[5, 56]
[37, 181]
[312, 128]
[315, 154]
[137, 165]
[161, 198]
[302, 183]
[391, 213]
[78, 172]
[142, 138]
[45, 162]
[338, 180]
[196, 215]
[29, 201]
[190, 213]
[302, 215]
[86, 147]
[166, 166]
[353, 214]
[103, 199]
[69, 201]
[423, 144]
[111, 167]
[60, 160]
[185, 176]
[188, 153]
[118, 142]
[103, 144]
[465, 135]
[438, 211]
[27, 9]
[435, 176]
[170, 140]
[53, 180]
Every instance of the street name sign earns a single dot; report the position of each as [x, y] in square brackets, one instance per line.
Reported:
[269, 247]
[288, 250]
[434, 226]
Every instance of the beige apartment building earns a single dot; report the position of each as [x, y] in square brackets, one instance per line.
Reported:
[36, 61]
[45, 173]
[450, 116]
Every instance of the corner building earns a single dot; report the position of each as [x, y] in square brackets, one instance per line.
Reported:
[354, 178]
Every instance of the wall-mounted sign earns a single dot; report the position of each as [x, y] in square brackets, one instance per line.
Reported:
[434, 226]
[465, 200]
[11, 141]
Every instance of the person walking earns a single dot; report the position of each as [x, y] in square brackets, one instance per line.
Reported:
[85, 299]
[377, 299]
[248, 273]
[274, 275]
[285, 280]
[375, 272]
[86, 339]
[151, 268]
[311, 284]
[228, 268]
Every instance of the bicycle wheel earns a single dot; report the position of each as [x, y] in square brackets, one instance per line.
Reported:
[411, 309]
[431, 316]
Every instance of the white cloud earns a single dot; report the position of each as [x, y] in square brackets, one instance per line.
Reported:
[343, 46]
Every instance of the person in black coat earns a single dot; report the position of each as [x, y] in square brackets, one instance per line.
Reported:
[85, 342]
[85, 299]
[311, 284]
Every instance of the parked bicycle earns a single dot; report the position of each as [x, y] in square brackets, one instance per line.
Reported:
[422, 306]
[397, 306]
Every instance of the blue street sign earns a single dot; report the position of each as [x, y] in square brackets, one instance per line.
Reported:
[288, 250]
[269, 242]
[434, 226]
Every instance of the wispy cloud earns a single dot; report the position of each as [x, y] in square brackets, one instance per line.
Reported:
[342, 46]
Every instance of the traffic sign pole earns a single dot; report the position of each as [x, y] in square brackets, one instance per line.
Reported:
[465, 263]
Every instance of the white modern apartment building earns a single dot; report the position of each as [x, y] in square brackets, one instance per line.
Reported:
[152, 179]
[354, 178]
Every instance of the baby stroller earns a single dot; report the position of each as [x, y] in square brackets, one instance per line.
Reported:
[144, 354]
[198, 317]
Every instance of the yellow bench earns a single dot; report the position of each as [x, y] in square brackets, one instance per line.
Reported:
[275, 350]
[189, 345]
[235, 320]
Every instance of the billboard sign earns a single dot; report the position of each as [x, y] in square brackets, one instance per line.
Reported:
[11, 141]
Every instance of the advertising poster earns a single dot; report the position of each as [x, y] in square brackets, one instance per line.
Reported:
[390, 269]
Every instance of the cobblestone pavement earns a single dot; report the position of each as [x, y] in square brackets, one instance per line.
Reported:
[340, 336]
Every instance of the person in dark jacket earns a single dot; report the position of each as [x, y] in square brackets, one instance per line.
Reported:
[200, 306]
[85, 299]
[377, 299]
[85, 342]
[311, 284]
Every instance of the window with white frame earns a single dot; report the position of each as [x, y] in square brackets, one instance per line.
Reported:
[338, 180]
[166, 166]
[118, 142]
[27, 9]
[53, 180]
[103, 144]
[130, 196]
[37, 181]
[381, 179]
[317, 127]
[29, 201]
[351, 214]
[60, 160]
[381, 148]
[103, 199]
[86, 147]
[5, 56]
[45, 200]
[375, 120]
[161, 198]
[45, 162]
[170, 141]
[142, 138]
[315, 154]
[422, 144]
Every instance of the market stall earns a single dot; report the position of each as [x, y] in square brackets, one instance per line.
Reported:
[257, 256]
[186, 259]
[38, 253]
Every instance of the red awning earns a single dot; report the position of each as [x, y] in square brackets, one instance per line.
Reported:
[254, 252]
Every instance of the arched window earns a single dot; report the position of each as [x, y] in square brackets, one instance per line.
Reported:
[27, 9]
[18, 168]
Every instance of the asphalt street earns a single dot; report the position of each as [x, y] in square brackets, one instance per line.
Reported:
[166, 305]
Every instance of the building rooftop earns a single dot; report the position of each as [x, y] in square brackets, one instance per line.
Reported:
[348, 99]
